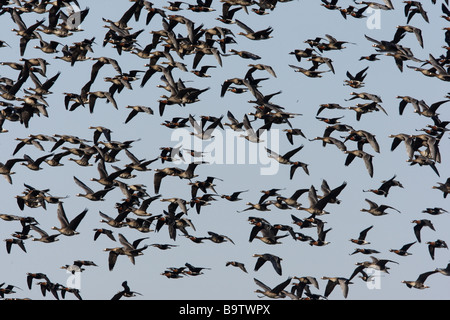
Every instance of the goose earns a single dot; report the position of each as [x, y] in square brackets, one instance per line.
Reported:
[202, 134]
[275, 292]
[228, 13]
[94, 95]
[142, 210]
[330, 140]
[254, 35]
[45, 237]
[126, 292]
[403, 251]
[321, 234]
[411, 29]
[445, 271]
[18, 242]
[386, 185]
[25, 33]
[267, 257]
[193, 270]
[116, 222]
[107, 232]
[283, 159]
[237, 264]
[311, 72]
[419, 283]
[332, 282]
[366, 137]
[252, 135]
[356, 81]
[432, 245]
[351, 154]
[419, 224]
[362, 237]
[377, 264]
[434, 211]
[90, 194]
[377, 210]
[35, 164]
[68, 228]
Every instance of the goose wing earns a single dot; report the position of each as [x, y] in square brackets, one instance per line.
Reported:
[82, 185]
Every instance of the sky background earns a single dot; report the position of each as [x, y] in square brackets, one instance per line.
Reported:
[293, 23]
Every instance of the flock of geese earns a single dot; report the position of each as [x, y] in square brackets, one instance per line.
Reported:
[171, 45]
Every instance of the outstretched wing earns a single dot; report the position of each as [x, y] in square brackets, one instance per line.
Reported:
[82, 185]
[76, 221]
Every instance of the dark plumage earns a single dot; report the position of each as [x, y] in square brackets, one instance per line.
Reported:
[185, 66]
[267, 257]
[419, 224]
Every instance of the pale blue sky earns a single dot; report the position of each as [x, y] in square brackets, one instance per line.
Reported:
[293, 23]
